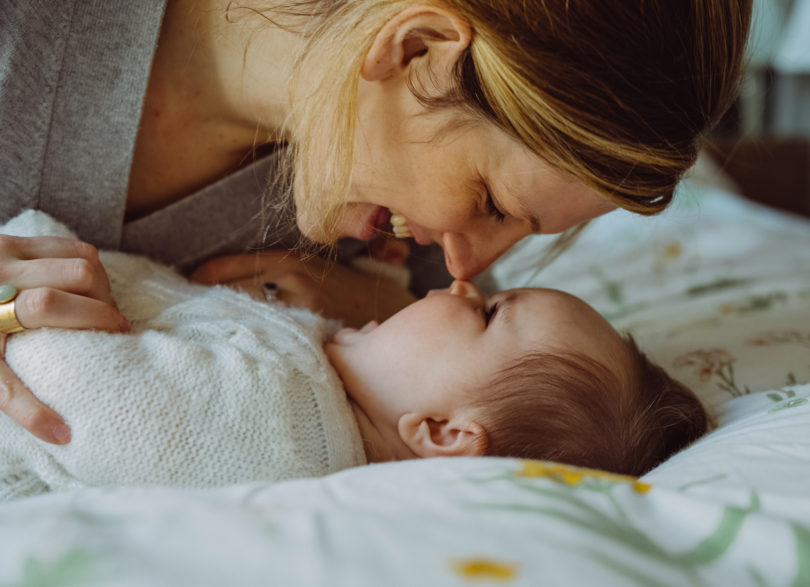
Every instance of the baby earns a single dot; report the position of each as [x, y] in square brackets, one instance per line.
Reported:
[531, 373]
[212, 387]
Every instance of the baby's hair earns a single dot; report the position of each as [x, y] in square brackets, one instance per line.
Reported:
[572, 409]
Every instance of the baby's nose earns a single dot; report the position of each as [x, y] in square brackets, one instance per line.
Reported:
[466, 289]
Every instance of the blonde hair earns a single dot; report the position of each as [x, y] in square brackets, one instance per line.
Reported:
[616, 94]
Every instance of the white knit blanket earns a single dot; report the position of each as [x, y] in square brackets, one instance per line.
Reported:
[210, 388]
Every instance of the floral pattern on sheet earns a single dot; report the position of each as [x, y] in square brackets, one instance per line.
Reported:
[716, 364]
[573, 476]
[779, 337]
[70, 567]
[785, 398]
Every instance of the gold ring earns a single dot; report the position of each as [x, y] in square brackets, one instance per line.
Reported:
[8, 315]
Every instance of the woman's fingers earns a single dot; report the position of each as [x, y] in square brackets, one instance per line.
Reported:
[237, 268]
[334, 290]
[253, 287]
[55, 308]
[62, 284]
[24, 248]
[76, 276]
[59, 263]
[19, 404]
[225, 269]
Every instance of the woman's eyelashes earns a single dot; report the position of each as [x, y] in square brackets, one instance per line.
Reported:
[489, 313]
[492, 208]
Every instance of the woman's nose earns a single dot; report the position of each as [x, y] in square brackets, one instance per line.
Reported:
[466, 289]
[468, 255]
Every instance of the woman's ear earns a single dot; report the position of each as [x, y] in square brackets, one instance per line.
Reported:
[431, 437]
[429, 30]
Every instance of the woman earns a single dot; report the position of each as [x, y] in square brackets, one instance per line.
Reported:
[477, 121]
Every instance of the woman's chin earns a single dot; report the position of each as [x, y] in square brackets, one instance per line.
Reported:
[313, 231]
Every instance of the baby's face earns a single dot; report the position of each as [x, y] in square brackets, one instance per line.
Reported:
[430, 355]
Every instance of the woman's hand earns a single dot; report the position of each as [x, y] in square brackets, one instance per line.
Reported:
[62, 284]
[334, 290]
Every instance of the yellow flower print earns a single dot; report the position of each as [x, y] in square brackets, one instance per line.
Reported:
[670, 252]
[487, 569]
[641, 487]
[574, 475]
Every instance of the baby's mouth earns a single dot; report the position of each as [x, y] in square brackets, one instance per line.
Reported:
[399, 225]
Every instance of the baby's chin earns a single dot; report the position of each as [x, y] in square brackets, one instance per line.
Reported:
[350, 335]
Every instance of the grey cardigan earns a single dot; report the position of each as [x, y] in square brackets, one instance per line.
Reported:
[73, 76]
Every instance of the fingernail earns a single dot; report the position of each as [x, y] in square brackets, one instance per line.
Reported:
[61, 433]
[125, 325]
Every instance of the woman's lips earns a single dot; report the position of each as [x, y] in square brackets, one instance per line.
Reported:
[419, 234]
[379, 222]
[375, 223]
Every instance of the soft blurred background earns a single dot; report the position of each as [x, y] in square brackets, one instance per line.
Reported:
[764, 142]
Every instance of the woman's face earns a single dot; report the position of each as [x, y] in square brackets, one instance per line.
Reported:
[467, 186]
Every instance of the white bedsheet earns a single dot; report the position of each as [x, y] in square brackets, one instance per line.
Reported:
[718, 290]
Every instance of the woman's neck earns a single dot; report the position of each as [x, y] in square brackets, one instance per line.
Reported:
[230, 64]
[218, 88]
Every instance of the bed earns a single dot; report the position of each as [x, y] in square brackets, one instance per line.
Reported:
[717, 289]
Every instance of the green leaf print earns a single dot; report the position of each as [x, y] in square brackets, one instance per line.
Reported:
[613, 289]
[715, 545]
[781, 395]
[756, 303]
[615, 293]
[73, 567]
[802, 549]
[794, 403]
[566, 501]
[706, 481]
[718, 284]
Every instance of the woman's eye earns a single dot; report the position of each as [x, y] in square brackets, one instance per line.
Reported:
[493, 209]
[489, 313]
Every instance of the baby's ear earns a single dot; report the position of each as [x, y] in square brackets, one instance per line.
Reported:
[440, 437]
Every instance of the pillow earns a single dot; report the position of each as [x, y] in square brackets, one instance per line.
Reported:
[761, 447]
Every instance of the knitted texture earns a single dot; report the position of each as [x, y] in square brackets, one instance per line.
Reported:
[210, 388]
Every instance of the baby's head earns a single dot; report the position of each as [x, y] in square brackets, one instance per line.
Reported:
[528, 373]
